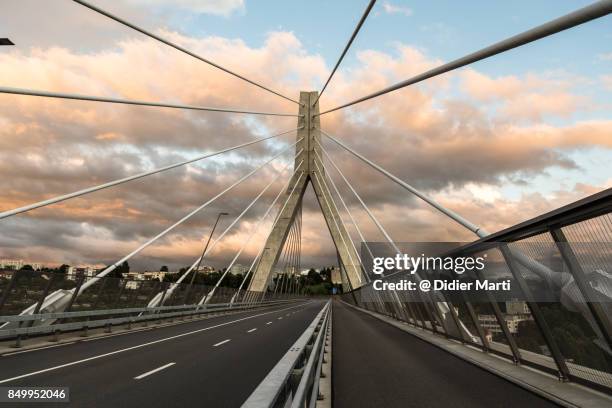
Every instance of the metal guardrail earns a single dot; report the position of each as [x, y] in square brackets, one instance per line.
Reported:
[144, 314]
[295, 378]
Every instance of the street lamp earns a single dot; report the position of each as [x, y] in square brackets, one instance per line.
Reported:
[195, 271]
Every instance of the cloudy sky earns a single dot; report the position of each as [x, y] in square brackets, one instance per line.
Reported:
[499, 142]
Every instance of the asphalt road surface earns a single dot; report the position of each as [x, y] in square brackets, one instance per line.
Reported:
[378, 365]
[216, 362]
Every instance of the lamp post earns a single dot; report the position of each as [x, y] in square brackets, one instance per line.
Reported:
[195, 271]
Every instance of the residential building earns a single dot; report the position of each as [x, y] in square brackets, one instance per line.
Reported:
[489, 322]
[336, 277]
[238, 269]
[205, 269]
[517, 307]
[11, 263]
[88, 271]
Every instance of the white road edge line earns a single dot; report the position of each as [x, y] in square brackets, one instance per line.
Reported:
[142, 345]
[252, 330]
[222, 342]
[12, 353]
[148, 373]
[269, 323]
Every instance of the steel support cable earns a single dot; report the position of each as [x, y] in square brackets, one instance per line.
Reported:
[324, 185]
[300, 243]
[374, 219]
[286, 252]
[449, 213]
[263, 247]
[340, 233]
[79, 97]
[338, 212]
[295, 255]
[286, 261]
[363, 204]
[257, 257]
[346, 208]
[540, 269]
[321, 169]
[299, 253]
[280, 277]
[580, 16]
[177, 47]
[113, 183]
[173, 287]
[294, 261]
[371, 215]
[255, 229]
[112, 267]
[231, 225]
[533, 265]
[368, 279]
[348, 45]
[359, 232]
[276, 220]
[278, 217]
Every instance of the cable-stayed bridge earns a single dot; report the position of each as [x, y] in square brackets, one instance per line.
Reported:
[119, 341]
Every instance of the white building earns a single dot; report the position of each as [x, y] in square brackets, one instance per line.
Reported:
[17, 264]
[517, 307]
[157, 275]
[88, 271]
[133, 284]
[205, 269]
[512, 321]
[135, 276]
[238, 269]
[146, 276]
[11, 263]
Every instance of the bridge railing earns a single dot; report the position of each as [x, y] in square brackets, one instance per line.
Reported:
[21, 325]
[568, 334]
[20, 289]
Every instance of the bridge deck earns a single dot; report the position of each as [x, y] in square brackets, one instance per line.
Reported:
[377, 365]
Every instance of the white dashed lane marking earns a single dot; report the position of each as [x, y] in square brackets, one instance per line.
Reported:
[148, 373]
[222, 342]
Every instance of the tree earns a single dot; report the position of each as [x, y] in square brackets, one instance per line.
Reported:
[326, 274]
[313, 277]
[163, 269]
[64, 268]
[119, 270]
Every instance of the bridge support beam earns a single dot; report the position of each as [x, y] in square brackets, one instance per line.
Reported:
[308, 173]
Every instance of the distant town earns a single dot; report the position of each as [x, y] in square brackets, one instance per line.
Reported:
[330, 275]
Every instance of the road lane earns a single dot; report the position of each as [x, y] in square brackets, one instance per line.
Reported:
[30, 360]
[201, 375]
[377, 365]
